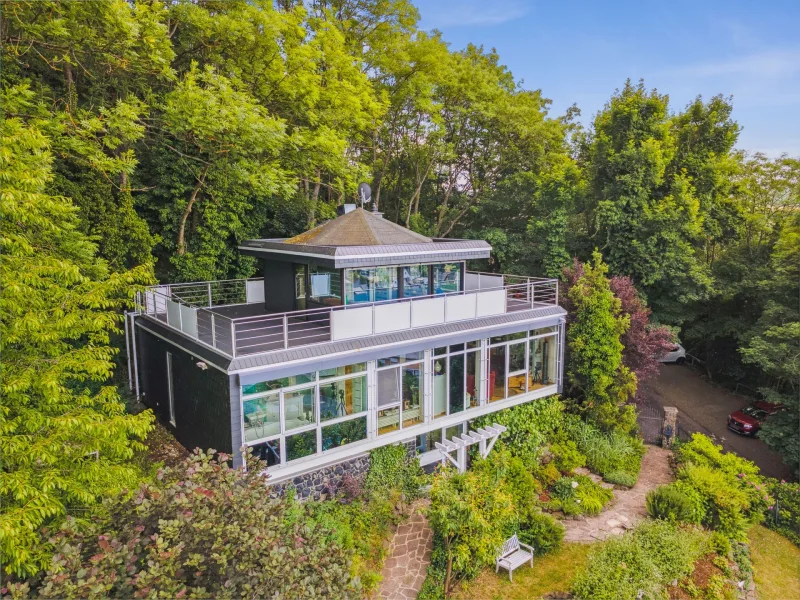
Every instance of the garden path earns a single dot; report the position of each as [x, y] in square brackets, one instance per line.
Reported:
[628, 506]
[409, 555]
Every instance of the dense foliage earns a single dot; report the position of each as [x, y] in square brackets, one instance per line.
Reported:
[732, 493]
[201, 530]
[391, 467]
[645, 559]
[784, 517]
[66, 438]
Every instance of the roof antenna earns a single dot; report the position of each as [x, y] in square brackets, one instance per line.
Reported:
[364, 194]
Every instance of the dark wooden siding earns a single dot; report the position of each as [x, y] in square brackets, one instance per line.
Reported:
[202, 397]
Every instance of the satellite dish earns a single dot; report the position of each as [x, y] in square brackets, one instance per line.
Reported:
[364, 193]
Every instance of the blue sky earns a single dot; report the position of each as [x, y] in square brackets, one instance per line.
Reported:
[580, 52]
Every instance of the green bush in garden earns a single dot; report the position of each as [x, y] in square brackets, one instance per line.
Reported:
[567, 456]
[787, 504]
[528, 425]
[606, 453]
[732, 493]
[391, 467]
[645, 559]
[202, 530]
[675, 502]
[541, 531]
[579, 495]
[623, 478]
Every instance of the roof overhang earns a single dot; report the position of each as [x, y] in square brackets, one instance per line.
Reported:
[339, 257]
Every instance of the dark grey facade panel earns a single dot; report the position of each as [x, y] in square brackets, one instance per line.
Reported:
[201, 352]
[236, 419]
[201, 398]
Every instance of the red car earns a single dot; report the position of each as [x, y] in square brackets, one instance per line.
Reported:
[748, 420]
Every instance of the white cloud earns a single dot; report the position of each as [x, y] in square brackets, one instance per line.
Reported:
[454, 13]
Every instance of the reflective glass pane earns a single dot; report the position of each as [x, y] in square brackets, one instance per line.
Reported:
[497, 373]
[396, 360]
[345, 370]
[262, 417]
[544, 330]
[412, 394]
[415, 281]
[516, 357]
[385, 283]
[389, 387]
[439, 351]
[388, 420]
[300, 287]
[347, 432]
[473, 378]
[299, 408]
[543, 364]
[269, 452]
[426, 442]
[446, 278]
[509, 337]
[358, 285]
[454, 431]
[456, 383]
[456, 348]
[341, 398]
[439, 387]
[475, 344]
[326, 287]
[301, 444]
[274, 384]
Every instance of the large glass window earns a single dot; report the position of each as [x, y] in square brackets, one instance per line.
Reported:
[517, 373]
[400, 392]
[370, 285]
[456, 383]
[326, 286]
[543, 363]
[497, 373]
[346, 432]
[473, 379]
[439, 386]
[340, 371]
[301, 445]
[446, 278]
[274, 384]
[262, 417]
[342, 398]
[269, 452]
[396, 360]
[299, 408]
[415, 280]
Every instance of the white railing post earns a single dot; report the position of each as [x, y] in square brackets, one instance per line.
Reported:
[233, 339]
[209, 295]
[556, 300]
[213, 331]
[286, 332]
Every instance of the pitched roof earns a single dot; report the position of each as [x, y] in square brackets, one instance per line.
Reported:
[358, 228]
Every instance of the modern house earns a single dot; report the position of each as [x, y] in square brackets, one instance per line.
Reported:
[360, 333]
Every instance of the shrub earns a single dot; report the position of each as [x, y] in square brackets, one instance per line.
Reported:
[646, 559]
[541, 531]
[528, 426]
[202, 530]
[470, 515]
[606, 453]
[390, 468]
[675, 502]
[578, 494]
[546, 474]
[733, 494]
[787, 504]
[623, 478]
[567, 456]
[741, 556]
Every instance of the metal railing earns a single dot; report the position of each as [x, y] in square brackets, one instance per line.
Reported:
[193, 308]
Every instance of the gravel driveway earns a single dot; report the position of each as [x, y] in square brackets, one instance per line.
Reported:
[703, 407]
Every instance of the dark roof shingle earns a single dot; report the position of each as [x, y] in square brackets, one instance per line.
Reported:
[358, 228]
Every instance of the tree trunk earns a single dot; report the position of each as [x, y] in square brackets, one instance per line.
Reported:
[447, 576]
[187, 211]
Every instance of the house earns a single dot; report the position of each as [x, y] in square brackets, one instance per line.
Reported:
[360, 333]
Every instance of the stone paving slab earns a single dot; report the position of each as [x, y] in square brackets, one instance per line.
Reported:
[409, 556]
[628, 506]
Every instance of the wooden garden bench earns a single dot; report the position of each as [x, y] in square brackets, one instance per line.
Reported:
[513, 554]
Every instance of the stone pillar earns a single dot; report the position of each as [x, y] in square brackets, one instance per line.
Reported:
[669, 429]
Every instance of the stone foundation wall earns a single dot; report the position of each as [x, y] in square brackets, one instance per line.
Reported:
[322, 483]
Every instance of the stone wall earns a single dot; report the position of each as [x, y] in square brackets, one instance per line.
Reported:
[322, 483]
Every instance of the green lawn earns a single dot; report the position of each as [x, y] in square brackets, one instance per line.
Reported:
[777, 565]
[553, 573]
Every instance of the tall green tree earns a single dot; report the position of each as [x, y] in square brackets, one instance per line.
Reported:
[597, 377]
[67, 441]
[645, 217]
